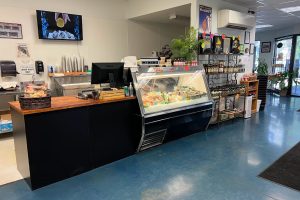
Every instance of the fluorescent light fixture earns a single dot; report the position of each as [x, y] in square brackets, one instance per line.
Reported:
[288, 2]
[290, 9]
[263, 26]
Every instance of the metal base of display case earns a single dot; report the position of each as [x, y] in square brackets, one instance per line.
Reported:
[157, 130]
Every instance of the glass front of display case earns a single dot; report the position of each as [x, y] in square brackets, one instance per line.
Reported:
[168, 88]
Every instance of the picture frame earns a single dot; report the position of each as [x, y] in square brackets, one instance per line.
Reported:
[247, 38]
[227, 45]
[207, 47]
[246, 49]
[205, 19]
[218, 45]
[11, 30]
[251, 49]
[266, 47]
[235, 45]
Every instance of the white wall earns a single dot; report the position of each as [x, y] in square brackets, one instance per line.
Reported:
[108, 35]
[104, 30]
[136, 8]
[144, 37]
[269, 36]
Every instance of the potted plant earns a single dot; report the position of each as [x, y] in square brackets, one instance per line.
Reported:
[186, 46]
[262, 76]
[283, 78]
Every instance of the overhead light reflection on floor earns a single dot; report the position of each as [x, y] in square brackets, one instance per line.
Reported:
[253, 159]
[178, 186]
[175, 188]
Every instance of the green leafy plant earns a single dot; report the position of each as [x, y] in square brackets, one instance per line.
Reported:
[281, 79]
[262, 68]
[186, 46]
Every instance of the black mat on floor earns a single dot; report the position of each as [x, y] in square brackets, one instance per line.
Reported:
[286, 170]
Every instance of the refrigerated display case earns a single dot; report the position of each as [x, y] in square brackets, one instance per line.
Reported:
[174, 102]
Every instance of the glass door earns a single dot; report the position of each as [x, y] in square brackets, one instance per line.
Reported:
[256, 54]
[282, 58]
[296, 78]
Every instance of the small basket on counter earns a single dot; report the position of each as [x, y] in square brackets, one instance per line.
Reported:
[35, 97]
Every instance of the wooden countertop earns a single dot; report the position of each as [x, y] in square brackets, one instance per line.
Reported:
[66, 102]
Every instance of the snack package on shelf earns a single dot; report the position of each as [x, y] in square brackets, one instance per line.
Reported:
[249, 77]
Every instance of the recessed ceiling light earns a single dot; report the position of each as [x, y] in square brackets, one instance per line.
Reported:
[290, 9]
[263, 26]
[286, 2]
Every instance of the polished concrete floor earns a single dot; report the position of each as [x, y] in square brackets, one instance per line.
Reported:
[222, 163]
[8, 165]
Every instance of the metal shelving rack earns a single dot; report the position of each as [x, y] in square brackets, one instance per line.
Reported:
[222, 74]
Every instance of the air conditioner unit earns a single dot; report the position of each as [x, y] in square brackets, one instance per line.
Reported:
[235, 20]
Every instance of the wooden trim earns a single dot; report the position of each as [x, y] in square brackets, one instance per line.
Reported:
[66, 102]
[68, 74]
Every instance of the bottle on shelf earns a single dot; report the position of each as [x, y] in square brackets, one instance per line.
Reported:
[126, 91]
[130, 90]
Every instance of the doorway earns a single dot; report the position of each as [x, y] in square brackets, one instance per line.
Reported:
[287, 60]
[296, 72]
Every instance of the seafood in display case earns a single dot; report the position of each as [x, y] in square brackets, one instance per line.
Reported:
[162, 89]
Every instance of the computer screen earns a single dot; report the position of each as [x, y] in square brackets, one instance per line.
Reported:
[111, 73]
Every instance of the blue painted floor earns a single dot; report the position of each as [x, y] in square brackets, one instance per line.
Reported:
[222, 163]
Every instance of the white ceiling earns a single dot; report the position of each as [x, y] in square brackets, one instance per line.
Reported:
[268, 12]
[183, 14]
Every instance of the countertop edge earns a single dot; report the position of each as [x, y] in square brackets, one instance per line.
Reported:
[84, 103]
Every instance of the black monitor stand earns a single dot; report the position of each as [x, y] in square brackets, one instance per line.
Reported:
[112, 81]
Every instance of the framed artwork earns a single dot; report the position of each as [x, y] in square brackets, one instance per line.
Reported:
[10, 30]
[235, 45]
[218, 45]
[247, 37]
[205, 19]
[246, 49]
[266, 47]
[205, 48]
[227, 45]
[251, 49]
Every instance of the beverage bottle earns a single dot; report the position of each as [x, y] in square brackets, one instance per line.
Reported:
[130, 90]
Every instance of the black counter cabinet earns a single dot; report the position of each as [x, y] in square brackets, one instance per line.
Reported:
[52, 146]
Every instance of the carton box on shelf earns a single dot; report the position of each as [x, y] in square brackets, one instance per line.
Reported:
[6, 126]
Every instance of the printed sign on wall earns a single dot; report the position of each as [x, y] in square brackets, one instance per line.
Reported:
[10, 30]
[205, 17]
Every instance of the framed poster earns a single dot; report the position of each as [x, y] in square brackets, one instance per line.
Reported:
[246, 49]
[266, 47]
[247, 37]
[227, 45]
[205, 17]
[10, 30]
[218, 45]
[235, 45]
[206, 46]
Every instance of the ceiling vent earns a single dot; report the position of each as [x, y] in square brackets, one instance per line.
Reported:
[235, 20]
